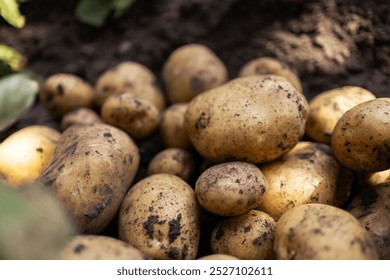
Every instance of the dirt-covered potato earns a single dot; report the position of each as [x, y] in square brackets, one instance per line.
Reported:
[132, 77]
[248, 237]
[132, 113]
[80, 116]
[100, 247]
[322, 232]
[328, 107]
[272, 66]
[218, 257]
[173, 161]
[231, 188]
[309, 173]
[361, 138]
[62, 93]
[190, 70]
[372, 208]
[254, 119]
[91, 171]
[25, 153]
[161, 217]
[172, 130]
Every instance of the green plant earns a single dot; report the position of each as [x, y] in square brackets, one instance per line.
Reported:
[9, 10]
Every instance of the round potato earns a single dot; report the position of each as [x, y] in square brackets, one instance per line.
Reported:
[248, 237]
[254, 119]
[100, 247]
[132, 77]
[322, 232]
[62, 93]
[218, 257]
[161, 217]
[361, 138]
[190, 70]
[80, 116]
[131, 113]
[231, 189]
[26, 153]
[268, 65]
[328, 107]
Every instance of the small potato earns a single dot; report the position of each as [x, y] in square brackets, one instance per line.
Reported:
[190, 70]
[328, 107]
[80, 116]
[132, 77]
[374, 178]
[248, 237]
[173, 161]
[131, 113]
[99, 247]
[172, 130]
[268, 65]
[161, 217]
[25, 154]
[361, 138]
[231, 189]
[322, 232]
[218, 257]
[62, 93]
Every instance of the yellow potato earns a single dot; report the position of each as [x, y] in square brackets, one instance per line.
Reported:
[80, 116]
[218, 257]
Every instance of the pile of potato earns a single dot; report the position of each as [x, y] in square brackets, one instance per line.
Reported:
[273, 175]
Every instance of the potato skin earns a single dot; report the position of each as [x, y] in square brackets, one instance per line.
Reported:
[160, 216]
[361, 139]
[79, 116]
[253, 119]
[218, 257]
[231, 189]
[26, 152]
[322, 232]
[91, 170]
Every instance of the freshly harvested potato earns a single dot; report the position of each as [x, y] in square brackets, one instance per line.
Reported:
[129, 76]
[172, 130]
[173, 161]
[218, 257]
[62, 93]
[231, 189]
[268, 65]
[372, 208]
[322, 232]
[307, 174]
[132, 113]
[374, 178]
[91, 171]
[190, 70]
[361, 138]
[328, 107]
[100, 247]
[25, 154]
[80, 116]
[254, 119]
[248, 237]
[160, 216]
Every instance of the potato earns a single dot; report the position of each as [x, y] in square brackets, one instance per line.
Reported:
[254, 119]
[131, 113]
[268, 65]
[26, 152]
[160, 216]
[248, 237]
[371, 207]
[172, 130]
[80, 116]
[322, 232]
[129, 76]
[91, 171]
[218, 257]
[99, 247]
[361, 138]
[231, 189]
[307, 174]
[173, 161]
[374, 178]
[190, 70]
[328, 107]
[62, 93]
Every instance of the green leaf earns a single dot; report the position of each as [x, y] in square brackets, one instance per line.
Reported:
[9, 10]
[11, 57]
[121, 6]
[93, 12]
[17, 95]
